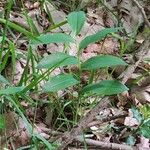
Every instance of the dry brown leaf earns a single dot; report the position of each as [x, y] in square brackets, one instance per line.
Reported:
[19, 71]
[49, 115]
[130, 121]
[144, 142]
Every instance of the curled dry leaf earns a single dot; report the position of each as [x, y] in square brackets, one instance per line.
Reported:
[10, 119]
[144, 142]
[143, 97]
[130, 121]
[31, 6]
[100, 132]
[49, 115]
[18, 72]
[95, 16]
[108, 46]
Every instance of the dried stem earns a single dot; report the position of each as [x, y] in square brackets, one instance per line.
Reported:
[141, 52]
[102, 120]
[112, 146]
[68, 137]
[143, 12]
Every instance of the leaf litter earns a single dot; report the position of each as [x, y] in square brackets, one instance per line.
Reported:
[98, 18]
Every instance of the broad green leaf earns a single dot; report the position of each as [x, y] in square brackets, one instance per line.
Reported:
[2, 122]
[136, 114]
[11, 90]
[53, 38]
[57, 59]
[96, 37]
[4, 80]
[145, 111]
[46, 142]
[101, 62]
[59, 82]
[145, 130]
[131, 140]
[105, 87]
[76, 21]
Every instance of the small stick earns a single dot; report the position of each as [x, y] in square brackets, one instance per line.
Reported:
[68, 137]
[102, 120]
[106, 145]
[141, 52]
[143, 12]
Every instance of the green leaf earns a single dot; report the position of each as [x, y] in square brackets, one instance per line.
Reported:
[4, 80]
[145, 111]
[131, 140]
[28, 126]
[57, 59]
[59, 82]
[46, 142]
[101, 62]
[11, 90]
[53, 38]
[145, 131]
[76, 21]
[96, 37]
[136, 114]
[17, 28]
[2, 122]
[105, 87]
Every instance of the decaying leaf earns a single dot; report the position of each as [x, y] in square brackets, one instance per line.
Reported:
[130, 121]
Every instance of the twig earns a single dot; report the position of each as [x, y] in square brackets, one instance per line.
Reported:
[106, 145]
[143, 12]
[68, 137]
[102, 120]
[141, 52]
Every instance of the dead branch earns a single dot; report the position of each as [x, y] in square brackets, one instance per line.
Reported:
[68, 137]
[102, 120]
[112, 146]
[143, 12]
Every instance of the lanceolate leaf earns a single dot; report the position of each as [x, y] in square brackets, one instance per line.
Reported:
[57, 59]
[53, 38]
[105, 87]
[96, 37]
[11, 90]
[101, 62]
[76, 21]
[60, 82]
[17, 28]
[136, 114]
[145, 129]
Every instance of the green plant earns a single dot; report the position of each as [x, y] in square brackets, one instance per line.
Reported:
[61, 59]
[67, 81]
[142, 115]
[144, 127]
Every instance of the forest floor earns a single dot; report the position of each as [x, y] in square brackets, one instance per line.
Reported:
[75, 74]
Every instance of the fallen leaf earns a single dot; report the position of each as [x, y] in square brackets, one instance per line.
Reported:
[130, 121]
